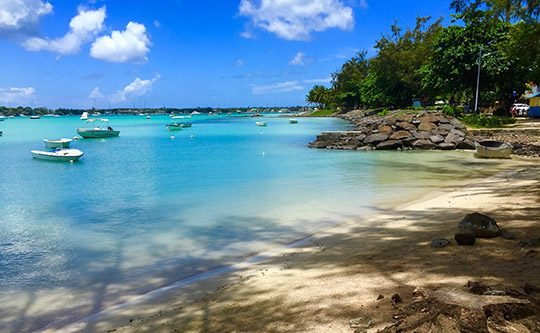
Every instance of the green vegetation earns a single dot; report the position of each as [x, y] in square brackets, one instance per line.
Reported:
[384, 112]
[430, 62]
[453, 111]
[484, 121]
[324, 112]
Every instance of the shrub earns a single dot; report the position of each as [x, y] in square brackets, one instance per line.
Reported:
[454, 111]
[486, 121]
[384, 112]
[324, 112]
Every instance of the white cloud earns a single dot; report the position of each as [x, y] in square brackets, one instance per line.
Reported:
[276, 88]
[16, 94]
[83, 28]
[296, 19]
[239, 63]
[130, 45]
[297, 60]
[157, 24]
[135, 89]
[22, 16]
[363, 4]
[325, 80]
[96, 94]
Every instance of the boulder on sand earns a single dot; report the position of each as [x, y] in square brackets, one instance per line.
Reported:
[479, 225]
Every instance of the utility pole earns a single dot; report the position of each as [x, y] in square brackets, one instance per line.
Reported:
[478, 82]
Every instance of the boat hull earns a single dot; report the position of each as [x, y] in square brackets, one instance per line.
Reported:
[52, 144]
[493, 149]
[58, 155]
[174, 127]
[94, 133]
[260, 124]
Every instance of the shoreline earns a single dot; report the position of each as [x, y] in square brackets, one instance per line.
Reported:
[164, 305]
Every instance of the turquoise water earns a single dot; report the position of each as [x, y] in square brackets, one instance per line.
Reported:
[142, 210]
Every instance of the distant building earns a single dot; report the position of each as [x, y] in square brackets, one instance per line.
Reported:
[534, 104]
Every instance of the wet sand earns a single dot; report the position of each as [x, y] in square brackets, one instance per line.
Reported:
[320, 284]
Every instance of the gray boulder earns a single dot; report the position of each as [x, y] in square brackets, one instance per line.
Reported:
[479, 225]
[466, 144]
[446, 146]
[440, 243]
[390, 145]
[455, 136]
[436, 138]
[424, 144]
[376, 138]
[457, 123]
[422, 135]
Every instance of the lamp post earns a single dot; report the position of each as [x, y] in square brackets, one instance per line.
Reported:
[478, 81]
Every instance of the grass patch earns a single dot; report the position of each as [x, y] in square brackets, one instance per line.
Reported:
[325, 112]
[484, 121]
[405, 112]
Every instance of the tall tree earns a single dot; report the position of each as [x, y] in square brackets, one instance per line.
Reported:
[347, 82]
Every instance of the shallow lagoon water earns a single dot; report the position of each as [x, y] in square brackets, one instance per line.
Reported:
[142, 210]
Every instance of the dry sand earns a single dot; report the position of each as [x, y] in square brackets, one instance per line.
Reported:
[333, 277]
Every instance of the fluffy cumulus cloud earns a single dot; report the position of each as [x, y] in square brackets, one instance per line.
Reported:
[135, 89]
[296, 19]
[130, 45]
[21, 17]
[276, 88]
[96, 94]
[16, 94]
[82, 29]
[298, 59]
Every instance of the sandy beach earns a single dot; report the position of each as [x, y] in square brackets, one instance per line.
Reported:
[323, 282]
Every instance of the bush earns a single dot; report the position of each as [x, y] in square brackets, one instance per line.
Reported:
[454, 111]
[384, 112]
[415, 108]
[485, 121]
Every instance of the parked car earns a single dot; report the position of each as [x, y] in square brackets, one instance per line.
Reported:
[522, 109]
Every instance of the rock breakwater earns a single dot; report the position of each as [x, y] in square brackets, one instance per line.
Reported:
[399, 131]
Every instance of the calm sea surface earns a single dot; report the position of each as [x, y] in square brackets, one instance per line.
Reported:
[142, 210]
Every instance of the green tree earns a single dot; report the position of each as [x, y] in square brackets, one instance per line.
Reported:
[394, 70]
[346, 83]
[319, 95]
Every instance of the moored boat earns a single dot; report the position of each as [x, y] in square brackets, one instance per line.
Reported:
[35, 117]
[260, 123]
[493, 149]
[97, 128]
[58, 154]
[84, 116]
[293, 121]
[185, 124]
[174, 127]
[62, 143]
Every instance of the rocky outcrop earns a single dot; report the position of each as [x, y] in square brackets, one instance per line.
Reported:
[400, 131]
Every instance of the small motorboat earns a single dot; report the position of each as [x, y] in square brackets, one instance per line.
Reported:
[174, 127]
[493, 149]
[58, 154]
[35, 117]
[84, 116]
[0, 133]
[148, 117]
[62, 143]
[293, 121]
[97, 128]
[185, 124]
[260, 123]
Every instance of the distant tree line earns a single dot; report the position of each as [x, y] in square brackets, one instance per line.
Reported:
[27, 111]
[430, 62]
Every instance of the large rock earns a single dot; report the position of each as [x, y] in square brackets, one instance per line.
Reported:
[479, 225]
[443, 120]
[428, 119]
[425, 126]
[375, 139]
[424, 144]
[457, 124]
[446, 127]
[466, 144]
[405, 117]
[405, 126]
[390, 145]
[455, 136]
[447, 146]
[465, 238]
[421, 135]
[385, 129]
[390, 121]
[436, 138]
[400, 135]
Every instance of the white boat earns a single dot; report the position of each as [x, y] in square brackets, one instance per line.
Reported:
[2, 118]
[293, 121]
[35, 117]
[174, 127]
[148, 117]
[59, 154]
[97, 128]
[260, 123]
[84, 116]
[62, 143]
[195, 113]
[493, 149]
[177, 117]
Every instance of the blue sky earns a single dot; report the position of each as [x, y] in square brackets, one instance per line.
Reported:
[179, 53]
